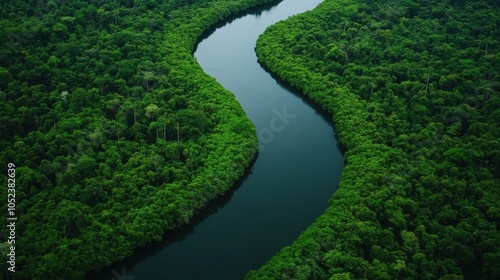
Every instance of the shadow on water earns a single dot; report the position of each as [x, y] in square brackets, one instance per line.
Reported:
[322, 112]
[173, 236]
[255, 11]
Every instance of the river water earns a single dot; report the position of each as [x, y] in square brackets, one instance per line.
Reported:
[295, 174]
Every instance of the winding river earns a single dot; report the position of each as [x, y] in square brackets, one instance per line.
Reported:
[295, 174]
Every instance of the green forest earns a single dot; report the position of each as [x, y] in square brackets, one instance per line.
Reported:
[118, 136]
[413, 89]
[116, 133]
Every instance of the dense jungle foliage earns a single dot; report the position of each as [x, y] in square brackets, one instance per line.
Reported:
[413, 87]
[116, 132]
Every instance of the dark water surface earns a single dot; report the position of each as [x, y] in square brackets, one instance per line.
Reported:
[295, 174]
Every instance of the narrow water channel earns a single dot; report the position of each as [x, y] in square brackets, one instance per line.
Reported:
[295, 174]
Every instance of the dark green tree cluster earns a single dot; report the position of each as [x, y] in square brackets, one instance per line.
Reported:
[117, 133]
[413, 87]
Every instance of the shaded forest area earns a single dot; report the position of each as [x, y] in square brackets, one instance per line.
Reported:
[116, 132]
[413, 87]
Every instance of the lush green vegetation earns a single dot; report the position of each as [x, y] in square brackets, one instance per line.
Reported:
[116, 132]
[413, 87]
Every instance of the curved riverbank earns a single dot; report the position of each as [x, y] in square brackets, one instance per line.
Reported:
[295, 174]
[408, 206]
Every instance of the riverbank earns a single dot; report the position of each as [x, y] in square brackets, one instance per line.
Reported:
[419, 174]
[289, 184]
